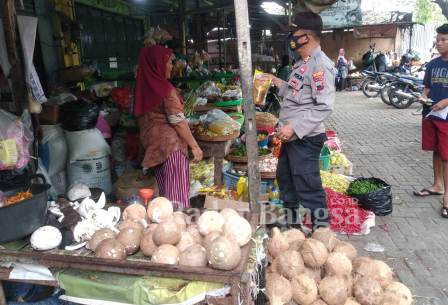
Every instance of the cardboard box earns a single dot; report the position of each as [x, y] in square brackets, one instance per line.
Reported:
[215, 203]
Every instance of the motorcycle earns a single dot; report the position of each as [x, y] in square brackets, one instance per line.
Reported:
[405, 92]
[375, 82]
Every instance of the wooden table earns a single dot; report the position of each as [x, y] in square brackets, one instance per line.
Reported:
[217, 151]
[237, 278]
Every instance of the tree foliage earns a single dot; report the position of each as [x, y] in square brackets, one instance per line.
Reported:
[431, 11]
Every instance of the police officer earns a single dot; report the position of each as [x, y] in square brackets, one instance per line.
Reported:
[308, 98]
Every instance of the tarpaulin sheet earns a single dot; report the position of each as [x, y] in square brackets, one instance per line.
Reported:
[130, 289]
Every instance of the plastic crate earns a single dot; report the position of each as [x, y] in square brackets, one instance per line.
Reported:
[324, 159]
[230, 181]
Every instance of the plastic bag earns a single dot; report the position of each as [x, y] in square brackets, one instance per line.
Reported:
[261, 88]
[15, 136]
[233, 95]
[379, 202]
[78, 191]
[79, 115]
[211, 92]
[219, 122]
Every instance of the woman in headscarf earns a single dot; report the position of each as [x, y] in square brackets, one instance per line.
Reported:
[164, 132]
[342, 67]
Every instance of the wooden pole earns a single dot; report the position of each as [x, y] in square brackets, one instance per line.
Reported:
[17, 74]
[245, 60]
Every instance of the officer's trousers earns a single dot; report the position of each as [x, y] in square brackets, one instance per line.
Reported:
[298, 177]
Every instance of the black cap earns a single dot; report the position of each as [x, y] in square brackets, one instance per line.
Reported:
[443, 29]
[307, 21]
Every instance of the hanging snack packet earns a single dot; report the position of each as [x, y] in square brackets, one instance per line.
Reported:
[261, 87]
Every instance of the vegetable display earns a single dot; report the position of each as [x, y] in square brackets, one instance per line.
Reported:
[362, 187]
[169, 238]
[242, 152]
[313, 275]
[336, 182]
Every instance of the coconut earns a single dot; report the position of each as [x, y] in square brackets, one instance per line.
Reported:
[272, 268]
[98, 237]
[167, 233]
[152, 227]
[186, 240]
[327, 237]
[181, 220]
[194, 256]
[348, 280]
[147, 244]
[360, 260]
[333, 290]
[338, 264]
[194, 232]
[160, 209]
[304, 289]
[224, 254]
[210, 221]
[397, 294]
[314, 253]
[227, 212]
[209, 238]
[110, 248]
[278, 289]
[295, 239]
[132, 224]
[367, 291]
[315, 274]
[351, 301]
[376, 269]
[130, 238]
[238, 229]
[347, 249]
[134, 212]
[277, 244]
[290, 264]
[166, 254]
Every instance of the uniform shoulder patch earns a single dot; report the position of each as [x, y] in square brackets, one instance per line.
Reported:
[319, 80]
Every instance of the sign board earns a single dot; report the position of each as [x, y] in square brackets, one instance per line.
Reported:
[342, 14]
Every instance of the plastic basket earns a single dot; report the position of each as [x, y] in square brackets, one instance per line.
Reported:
[228, 103]
[230, 181]
[324, 159]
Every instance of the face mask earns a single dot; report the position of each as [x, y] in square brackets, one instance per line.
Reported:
[294, 43]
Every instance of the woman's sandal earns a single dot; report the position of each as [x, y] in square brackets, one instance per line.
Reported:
[444, 210]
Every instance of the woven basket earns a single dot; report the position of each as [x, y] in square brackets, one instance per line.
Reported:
[206, 138]
[265, 119]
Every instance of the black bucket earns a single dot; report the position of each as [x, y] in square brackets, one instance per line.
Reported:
[23, 218]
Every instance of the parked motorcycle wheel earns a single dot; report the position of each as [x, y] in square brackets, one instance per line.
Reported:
[364, 82]
[399, 102]
[368, 92]
[384, 94]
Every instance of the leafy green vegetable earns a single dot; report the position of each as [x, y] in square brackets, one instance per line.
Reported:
[361, 187]
[241, 151]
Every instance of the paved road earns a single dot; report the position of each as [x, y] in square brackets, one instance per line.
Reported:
[384, 142]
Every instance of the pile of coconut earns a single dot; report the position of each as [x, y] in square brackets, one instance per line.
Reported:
[167, 238]
[323, 270]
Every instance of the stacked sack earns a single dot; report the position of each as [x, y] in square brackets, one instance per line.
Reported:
[322, 270]
[88, 152]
